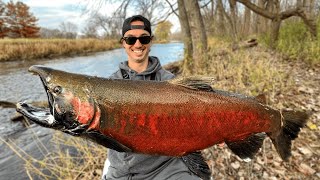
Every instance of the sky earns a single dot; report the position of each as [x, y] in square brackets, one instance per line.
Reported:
[51, 13]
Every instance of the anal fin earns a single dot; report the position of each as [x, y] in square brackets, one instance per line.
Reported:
[248, 147]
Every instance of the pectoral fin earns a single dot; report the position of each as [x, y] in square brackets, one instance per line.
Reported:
[196, 164]
[106, 141]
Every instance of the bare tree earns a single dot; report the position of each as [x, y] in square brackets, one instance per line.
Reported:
[111, 25]
[51, 33]
[185, 28]
[68, 27]
[198, 34]
[220, 14]
[156, 11]
[233, 19]
[90, 30]
[246, 26]
[209, 18]
[148, 7]
[69, 30]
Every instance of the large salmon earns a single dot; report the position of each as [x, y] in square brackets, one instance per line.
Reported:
[171, 118]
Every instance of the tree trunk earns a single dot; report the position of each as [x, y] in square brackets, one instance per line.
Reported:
[220, 20]
[260, 28]
[185, 29]
[308, 16]
[233, 19]
[199, 37]
[275, 28]
[311, 9]
[246, 29]
[309, 22]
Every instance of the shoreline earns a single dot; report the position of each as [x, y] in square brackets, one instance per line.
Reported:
[37, 49]
[16, 50]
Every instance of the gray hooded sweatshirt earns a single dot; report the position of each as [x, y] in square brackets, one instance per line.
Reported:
[125, 166]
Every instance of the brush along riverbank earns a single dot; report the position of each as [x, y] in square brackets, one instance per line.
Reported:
[31, 49]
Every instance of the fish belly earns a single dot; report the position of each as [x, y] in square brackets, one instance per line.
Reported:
[177, 129]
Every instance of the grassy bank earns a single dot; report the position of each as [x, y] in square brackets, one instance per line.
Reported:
[250, 71]
[296, 43]
[30, 49]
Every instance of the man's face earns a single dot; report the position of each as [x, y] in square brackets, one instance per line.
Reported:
[137, 52]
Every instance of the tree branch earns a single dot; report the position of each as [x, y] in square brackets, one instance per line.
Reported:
[257, 9]
[205, 5]
[173, 10]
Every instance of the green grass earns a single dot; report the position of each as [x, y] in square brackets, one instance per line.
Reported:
[296, 43]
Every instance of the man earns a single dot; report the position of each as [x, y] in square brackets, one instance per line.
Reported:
[136, 40]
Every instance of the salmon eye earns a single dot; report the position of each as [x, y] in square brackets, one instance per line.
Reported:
[57, 89]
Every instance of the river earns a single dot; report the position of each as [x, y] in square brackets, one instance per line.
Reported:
[17, 84]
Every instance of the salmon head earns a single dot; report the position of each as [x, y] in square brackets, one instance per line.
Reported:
[71, 108]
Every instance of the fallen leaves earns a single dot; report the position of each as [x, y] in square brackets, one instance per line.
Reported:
[303, 93]
[305, 169]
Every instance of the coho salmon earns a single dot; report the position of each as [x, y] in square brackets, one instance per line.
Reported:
[172, 118]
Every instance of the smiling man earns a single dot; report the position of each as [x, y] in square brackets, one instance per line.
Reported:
[137, 40]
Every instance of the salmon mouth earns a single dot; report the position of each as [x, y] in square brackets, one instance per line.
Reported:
[44, 116]
[49, 116]
[39, 115]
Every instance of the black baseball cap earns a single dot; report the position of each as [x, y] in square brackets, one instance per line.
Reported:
[127, 24]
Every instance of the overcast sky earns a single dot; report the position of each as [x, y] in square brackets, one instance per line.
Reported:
[51, 13]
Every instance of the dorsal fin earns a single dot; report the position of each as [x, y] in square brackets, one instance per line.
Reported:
[262, 98]
[195, 83]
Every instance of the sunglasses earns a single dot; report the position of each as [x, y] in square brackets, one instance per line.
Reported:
[132, 40]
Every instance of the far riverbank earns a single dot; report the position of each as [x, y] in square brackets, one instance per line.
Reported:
[34, 49]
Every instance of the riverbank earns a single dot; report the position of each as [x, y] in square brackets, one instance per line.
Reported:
[31, 49]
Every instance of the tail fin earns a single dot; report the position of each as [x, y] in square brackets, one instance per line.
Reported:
[293, 121]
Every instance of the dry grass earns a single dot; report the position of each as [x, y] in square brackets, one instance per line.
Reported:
[249, 71]
[64, 164]
[29, 49]
[71, 158]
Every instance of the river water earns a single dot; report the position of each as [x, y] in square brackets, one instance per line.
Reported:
[17, 84]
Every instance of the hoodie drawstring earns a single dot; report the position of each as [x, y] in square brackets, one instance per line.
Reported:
[125, 75]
